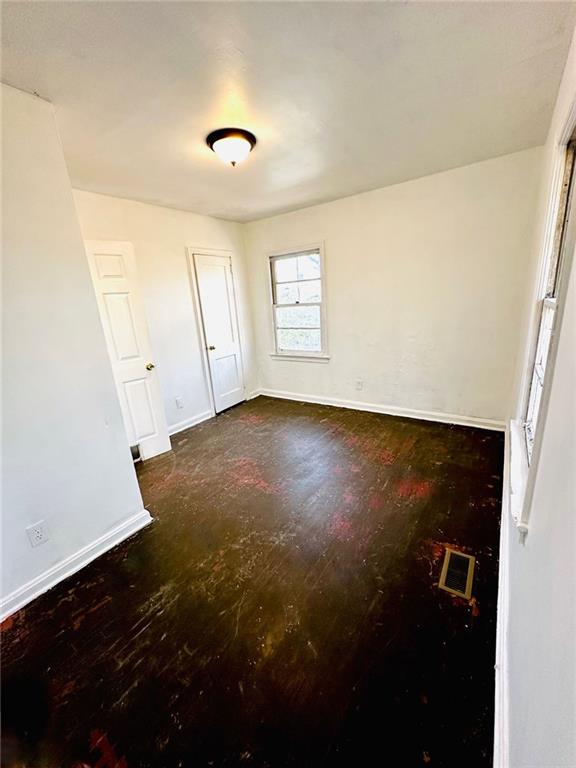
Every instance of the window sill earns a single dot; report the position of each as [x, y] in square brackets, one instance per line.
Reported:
[319, 358]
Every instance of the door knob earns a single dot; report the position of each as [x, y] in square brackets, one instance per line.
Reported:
[211, 347]
[150, 366]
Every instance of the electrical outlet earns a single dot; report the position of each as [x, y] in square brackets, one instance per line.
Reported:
[179, 402]
[37, 533]
[359, 384]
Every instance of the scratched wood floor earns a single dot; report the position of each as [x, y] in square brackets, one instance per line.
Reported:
[282, 609]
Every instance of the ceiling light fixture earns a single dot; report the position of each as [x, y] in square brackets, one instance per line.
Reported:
[232, 145]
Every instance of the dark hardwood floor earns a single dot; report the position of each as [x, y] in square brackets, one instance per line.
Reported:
[282, 609]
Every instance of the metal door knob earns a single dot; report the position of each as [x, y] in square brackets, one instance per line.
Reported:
[211, 347]
[150, 367]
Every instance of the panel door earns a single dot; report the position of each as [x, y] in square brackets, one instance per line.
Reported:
[220, 324]
[113, 270]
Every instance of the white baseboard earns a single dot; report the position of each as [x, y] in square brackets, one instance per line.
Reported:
[501, 723]
[187, 423]
[57, 573]
[389, 410]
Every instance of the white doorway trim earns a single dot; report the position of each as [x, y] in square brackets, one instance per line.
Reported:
[191, 252]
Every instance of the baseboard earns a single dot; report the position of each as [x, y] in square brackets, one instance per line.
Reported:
[36, 587]
[501, 742]
[389, 410]
[187, 423]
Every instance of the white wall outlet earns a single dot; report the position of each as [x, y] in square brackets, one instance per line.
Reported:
[179, 402]
[37, 533]
[359, 385]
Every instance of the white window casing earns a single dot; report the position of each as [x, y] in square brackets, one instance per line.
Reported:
[299, 304]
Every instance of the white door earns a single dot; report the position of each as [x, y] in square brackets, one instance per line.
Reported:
[220, 324]
[113, 270]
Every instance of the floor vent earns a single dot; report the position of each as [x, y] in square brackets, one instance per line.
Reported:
[457, 573]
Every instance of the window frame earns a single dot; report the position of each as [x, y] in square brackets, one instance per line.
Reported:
[299, 355]
[550, 302]
[519, 473]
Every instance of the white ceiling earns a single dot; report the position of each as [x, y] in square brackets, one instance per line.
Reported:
[343, 97]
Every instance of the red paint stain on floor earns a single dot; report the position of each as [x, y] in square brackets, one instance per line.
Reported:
[251, 418]
[15, 626]
[77, 623]
[437, 548]
[7, 624]
[67, 689]
[385, 457]
[370, 449]
[79, 619]
[100, 742]
[414, 489]
[340, 527]
[473, 603]
[246, 473]
[348, 497]
[375, 502]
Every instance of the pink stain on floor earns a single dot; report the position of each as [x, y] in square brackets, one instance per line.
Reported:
[369, 448]
[246, 473]
[348, 497]
[412, 488]
[374, 502]
[346, 469]
[251, 418]
[340, 527]
[385, 457]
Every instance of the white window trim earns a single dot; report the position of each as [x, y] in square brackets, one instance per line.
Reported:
[317, 357]
[522, 471]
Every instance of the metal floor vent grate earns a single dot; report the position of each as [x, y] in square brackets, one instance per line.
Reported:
[457, 573]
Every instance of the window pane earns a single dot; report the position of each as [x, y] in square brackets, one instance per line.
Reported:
[310, 293]
[298, 317]
[287, 293]
[303, 340]
[309, 266]
[286, 269]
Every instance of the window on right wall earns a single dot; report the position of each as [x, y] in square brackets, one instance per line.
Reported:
[298, 307]
[549, 303]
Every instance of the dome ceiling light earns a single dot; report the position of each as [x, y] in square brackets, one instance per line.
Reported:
[232, 145]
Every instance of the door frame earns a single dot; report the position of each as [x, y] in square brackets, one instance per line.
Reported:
[191, 252]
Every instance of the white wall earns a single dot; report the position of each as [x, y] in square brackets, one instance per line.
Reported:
[65, 454]
[424, 284]
[160, 237]
[542, 622]
[541, 631]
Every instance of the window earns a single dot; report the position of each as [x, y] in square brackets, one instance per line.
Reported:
[549, 303]
[297, 299]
